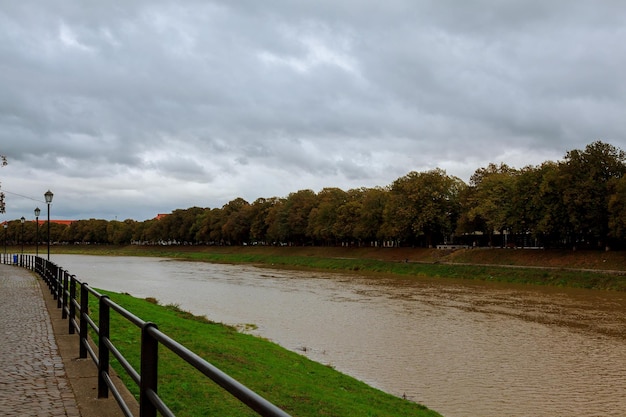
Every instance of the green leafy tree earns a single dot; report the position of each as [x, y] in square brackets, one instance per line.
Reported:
[276, 221]
[323, 223]
[259, 212]
[348, 217]
[75, 232]
[97, 231]
[553, 225]
[424, 205]
[617, 209]
[211, 223]
[369, 223]
[297, 208]
[120, 233]
[488, 202]
[534, 205]
[180, 225]
[147, 232]
[237, 215]
[587, 178]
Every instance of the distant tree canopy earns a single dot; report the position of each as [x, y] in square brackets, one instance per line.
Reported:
[577, 202]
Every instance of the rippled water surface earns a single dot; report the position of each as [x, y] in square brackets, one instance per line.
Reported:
[461, 348]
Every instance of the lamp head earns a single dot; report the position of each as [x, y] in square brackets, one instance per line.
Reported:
[37, 212]
[22, 219]
[48, 196]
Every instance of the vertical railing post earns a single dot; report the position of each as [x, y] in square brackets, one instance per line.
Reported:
[149, 370]
[103, 350]
[72, 315]
[51, 272]
[65, 288]
[44, 273]
[84, 309]
[59, 285]
[54, 276]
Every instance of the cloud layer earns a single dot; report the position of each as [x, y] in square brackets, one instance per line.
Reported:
[127, 109]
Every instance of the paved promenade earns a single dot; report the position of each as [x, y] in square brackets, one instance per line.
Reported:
[33, 380]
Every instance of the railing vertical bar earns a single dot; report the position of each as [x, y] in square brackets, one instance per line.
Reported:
[50, 281]
[65, 288]
[72, 304]
[84, 310]
[103, 349]
[54, 277]
[149, 371]
[59, 285]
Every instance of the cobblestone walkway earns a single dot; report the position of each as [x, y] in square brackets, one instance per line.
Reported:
[32, 376]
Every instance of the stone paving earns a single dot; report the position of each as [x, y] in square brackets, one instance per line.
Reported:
[33, 380]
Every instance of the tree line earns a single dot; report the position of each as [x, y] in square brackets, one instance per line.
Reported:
[577, 202]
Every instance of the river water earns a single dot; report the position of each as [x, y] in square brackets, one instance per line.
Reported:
[462, 348]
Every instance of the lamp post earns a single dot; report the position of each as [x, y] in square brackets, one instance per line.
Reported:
[37, 212]
[48, 196]
[22, 220]
[6, 226]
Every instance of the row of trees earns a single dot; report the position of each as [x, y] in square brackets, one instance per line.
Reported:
[577, 202]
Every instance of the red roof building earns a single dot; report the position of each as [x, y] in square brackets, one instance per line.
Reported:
[63, 222]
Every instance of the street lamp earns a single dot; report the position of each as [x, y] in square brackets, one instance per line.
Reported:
[37, 212]
[48, 196]
[22, 219]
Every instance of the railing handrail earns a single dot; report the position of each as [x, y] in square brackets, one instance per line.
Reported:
[63, 285]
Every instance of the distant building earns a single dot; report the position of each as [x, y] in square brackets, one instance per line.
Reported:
[160, 216]
[63, 222]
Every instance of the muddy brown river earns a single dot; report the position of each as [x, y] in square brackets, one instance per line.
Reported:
[461, 348]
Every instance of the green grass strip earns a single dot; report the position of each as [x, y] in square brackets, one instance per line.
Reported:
[294, 383]
[537, 276]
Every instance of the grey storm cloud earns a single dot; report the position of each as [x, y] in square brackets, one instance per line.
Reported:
[131, 108]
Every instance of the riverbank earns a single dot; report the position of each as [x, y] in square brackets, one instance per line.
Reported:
[296, 384]
[581, 269]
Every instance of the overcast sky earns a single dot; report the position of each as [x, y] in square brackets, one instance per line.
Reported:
[125, 109]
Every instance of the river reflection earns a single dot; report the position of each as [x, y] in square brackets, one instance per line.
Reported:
[462, 348]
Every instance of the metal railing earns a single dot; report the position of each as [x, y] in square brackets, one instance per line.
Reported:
[72, 298]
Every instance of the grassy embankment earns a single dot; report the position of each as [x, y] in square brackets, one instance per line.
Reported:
[296, 384]
[582, 269]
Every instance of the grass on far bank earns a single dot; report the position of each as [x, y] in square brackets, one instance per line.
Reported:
[294, 383]
[583, 269]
